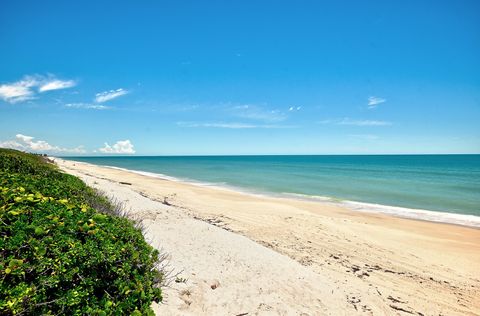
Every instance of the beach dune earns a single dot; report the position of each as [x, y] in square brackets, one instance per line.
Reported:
[238, 253]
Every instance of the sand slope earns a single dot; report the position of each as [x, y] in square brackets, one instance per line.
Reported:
[343, 263]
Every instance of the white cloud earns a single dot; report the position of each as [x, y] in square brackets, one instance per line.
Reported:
[28, 87]
[87, 106]
[231, 125]
[294, 108]
[109, 95]
[27, 143]
[18, 91]
[327, 122]
[348, 121]
[374, 101]
[365, 136]
[12, 144]
[24, 138]
[120, 147]
[56, 85]
[258, 113]
[217, 125]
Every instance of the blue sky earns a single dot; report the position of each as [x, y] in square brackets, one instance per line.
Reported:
[240, 77]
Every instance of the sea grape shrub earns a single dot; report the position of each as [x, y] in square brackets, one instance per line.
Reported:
[58, 255]
[47, 179]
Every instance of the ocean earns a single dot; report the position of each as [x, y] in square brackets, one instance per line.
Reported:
[403, 185]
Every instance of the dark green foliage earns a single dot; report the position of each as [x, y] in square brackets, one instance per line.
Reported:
[58, 255]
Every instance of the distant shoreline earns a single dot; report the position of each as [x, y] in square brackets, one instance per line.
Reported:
[390, 210]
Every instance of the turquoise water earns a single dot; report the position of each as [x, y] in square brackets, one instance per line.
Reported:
[445, 183]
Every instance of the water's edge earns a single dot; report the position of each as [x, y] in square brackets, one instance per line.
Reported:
[403, 212]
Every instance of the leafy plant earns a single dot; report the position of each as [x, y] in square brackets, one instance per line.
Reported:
[60, 255]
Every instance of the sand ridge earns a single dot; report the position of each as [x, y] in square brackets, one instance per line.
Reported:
[344, 262]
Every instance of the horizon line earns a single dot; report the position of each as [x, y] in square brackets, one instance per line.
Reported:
[257, 155]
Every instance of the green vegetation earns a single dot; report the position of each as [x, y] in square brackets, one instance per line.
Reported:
[63, 249]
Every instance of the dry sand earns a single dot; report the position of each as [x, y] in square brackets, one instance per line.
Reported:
[242, 253]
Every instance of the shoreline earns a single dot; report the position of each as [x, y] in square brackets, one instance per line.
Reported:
[371, 263]
[466, 220]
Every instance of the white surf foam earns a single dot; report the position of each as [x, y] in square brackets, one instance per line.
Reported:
[404, 212]
[418, 214]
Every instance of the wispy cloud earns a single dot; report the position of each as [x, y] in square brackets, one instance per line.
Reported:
[294, 108]
[258, 113]
[27, 143]
[120, 147]
[231, 125]
[19, 91]
[87, 106]
[185, 108]
[349, 121]
[109, 95]
[364, 122]
[365, 136]
[56, 85]
[28, 87]
[374, 101]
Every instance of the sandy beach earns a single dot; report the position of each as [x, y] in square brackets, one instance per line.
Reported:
[243, 254]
